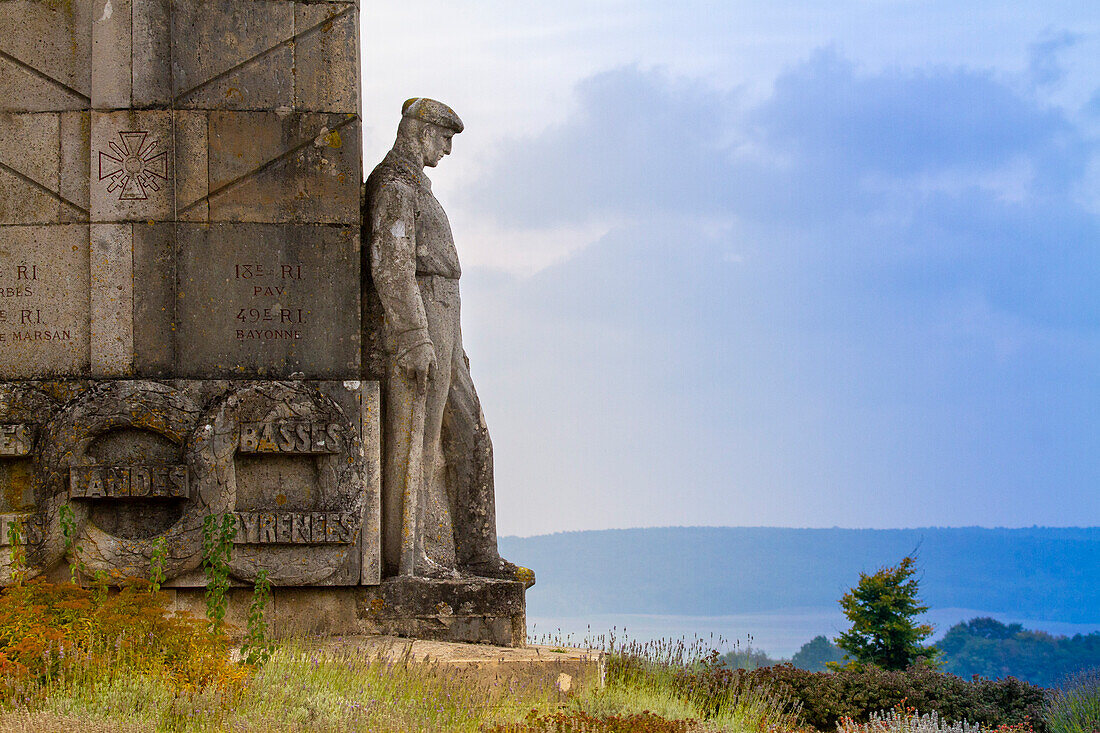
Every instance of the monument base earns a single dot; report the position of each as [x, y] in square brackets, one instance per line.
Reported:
[558, 671]
[479, 610]
[472, 610]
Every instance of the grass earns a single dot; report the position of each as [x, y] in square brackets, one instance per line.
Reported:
[300, 688]
[74, 658]
[98, 660]
[678, 680]
[1076, 707]
[341, 688]
[669, 686]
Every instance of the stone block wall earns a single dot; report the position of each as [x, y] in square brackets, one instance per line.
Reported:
[179, 220]
[179, 189]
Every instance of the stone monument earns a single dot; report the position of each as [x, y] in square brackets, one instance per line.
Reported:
[181, 328]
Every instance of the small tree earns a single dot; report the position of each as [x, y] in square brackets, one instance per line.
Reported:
[882, 608]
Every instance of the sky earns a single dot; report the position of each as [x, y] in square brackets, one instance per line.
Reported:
[800, 264]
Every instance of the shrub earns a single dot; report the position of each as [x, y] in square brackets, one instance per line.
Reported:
[1076, 708]
[53, 633]
[904, 720]
[856, 693]
[908, 720]
[748, 658]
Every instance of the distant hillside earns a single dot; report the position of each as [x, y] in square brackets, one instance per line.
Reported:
[1040, 573]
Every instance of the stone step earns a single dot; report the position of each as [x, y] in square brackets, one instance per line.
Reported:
[560, 670]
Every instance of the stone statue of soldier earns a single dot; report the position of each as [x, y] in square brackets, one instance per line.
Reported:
[438, 506]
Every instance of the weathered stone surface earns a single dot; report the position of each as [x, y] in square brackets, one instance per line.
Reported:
[132, 166]
[323, 483]
[484, 616]
[266, 300]
[155, 421]
[371, 414]
[44, 304]
[298, 612]
[156, 112]
[154, 314]
[16, 439]
[112, 54]
[326, 57]
[192, 170]
[151, 42]
[23, 413]
[192, 601]
[403, 597]
[553, 669]
[44, 53]
[134, 481]
[180, 207]
[470, 609]
[280, 55]
[29, 168]
[140, 461]
[284, 167]
[74, 166]
[233, 55]
[111, 300]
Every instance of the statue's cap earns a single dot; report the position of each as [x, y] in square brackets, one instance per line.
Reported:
[433, 112]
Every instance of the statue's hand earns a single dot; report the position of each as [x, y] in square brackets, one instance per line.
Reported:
[418, 364]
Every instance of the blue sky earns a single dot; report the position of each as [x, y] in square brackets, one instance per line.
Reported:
[785, 263]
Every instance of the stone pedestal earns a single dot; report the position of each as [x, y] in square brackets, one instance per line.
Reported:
[475, 611]
[180, 307]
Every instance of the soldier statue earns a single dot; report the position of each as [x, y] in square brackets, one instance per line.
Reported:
[438, 505]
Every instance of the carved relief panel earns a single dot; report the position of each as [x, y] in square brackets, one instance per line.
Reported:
[134, 464]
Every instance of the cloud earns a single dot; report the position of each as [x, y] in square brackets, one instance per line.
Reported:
[944, 174]
[866, 300]
[901, 123]
[639, 143]
[1044, 67]
[828, 140]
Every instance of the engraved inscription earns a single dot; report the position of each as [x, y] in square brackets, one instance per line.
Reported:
[30, 324]
[133, 166]
[30, 528]
[129, 482]
[267, 286]
[16, 440]
[294, 528]
[25, 277]
[291, 436]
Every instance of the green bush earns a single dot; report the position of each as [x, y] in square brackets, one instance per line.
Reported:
[857, 693]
